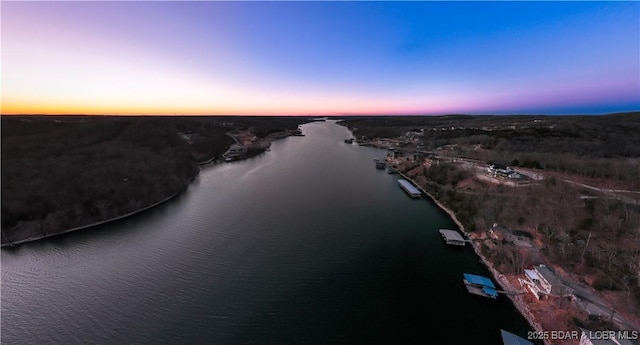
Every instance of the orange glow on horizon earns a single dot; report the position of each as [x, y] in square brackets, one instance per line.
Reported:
[263, 105]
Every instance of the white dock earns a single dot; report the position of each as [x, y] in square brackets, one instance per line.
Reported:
[452, 237]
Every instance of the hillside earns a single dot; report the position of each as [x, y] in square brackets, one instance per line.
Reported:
[62, 172]
[577, 198]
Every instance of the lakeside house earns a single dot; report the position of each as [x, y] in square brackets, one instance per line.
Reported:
[502, 171]
[542, 283]
[517, 237]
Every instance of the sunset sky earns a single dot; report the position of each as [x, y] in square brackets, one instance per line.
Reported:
[320, 58]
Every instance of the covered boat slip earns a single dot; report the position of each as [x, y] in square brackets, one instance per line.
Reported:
[480, 285]
[452, 237]
[409, 188]
[509, 338]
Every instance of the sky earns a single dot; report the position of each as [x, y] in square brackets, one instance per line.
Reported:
[319, 58]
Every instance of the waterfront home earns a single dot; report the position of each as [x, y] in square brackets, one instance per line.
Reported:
[517, 237]
[542, 282]
[497, 170]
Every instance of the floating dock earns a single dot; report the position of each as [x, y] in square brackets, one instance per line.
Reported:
[509, 338]
[452, 237]
[479, 285]
[409, 188]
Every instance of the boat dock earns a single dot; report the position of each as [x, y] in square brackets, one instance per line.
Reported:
[509, 338]
[409, 188]
[452, 237]
[479, 285]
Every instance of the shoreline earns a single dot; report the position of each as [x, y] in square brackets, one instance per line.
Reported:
[520, 305]
[102, 222]
[210, 162]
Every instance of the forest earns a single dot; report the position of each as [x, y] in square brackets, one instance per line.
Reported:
[61, 172]
[601, 147]
[589, 235]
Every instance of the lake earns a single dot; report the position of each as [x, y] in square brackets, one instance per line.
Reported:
[307, 243]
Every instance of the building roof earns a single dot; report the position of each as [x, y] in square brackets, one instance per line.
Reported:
[490, 291]
[509, 338]
[498, 166]
[479, 280]
[531, 274]
[410, 188]
[451, 235]
[544, 272]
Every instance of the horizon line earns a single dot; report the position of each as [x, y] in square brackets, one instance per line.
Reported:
[328, 115]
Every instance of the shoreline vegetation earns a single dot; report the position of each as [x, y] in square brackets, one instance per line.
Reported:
[68, 173]
[520, 305]
[575, 202]
[578, 197]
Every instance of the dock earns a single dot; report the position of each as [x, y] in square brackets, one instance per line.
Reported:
[409, 188]
[452, 237]
[509, 338]
[479, 285]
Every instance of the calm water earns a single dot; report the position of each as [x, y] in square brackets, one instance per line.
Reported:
[305, 244]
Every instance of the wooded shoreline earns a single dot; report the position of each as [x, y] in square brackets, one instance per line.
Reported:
[68, 173]
[568, 202]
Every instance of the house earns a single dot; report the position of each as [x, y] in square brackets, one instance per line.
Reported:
[517, 237]
[606, 337]
[418, 156]
[398, 154]
[502, 171]
[542, 282]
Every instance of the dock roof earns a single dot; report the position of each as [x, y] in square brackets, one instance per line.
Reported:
[410, 188]
[531, 274]
[479, 280]
[509, 338]
[490, 291]
[451, 235]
